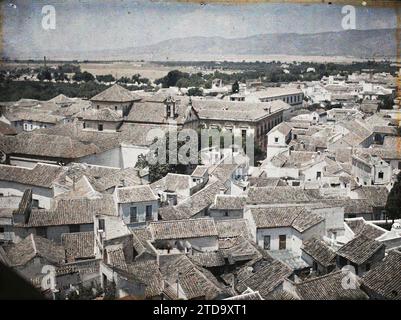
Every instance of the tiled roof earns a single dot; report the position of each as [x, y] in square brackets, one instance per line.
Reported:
[104, 114]
[61, 98]
[280, 295]
[173, 182]
[55, 146]
[21, 253]
[192, 279]
[360, 226]
[264, 279]
[208, 259]
[329, 287]
[135, 194]
[149, 272]
[155, 112]
[288, 194]
[72, 211]
[224, 171]
[376, 194]
[359, 249]
[34, 116]
[238, 249]
[6, 129]
[276, 217]
[228, 202]
[130, 176]
[319, 251]
[229, 228]
[116, 93]
[194, 204]
[266, 182]
[42, 175]
[385, 278]
[182, 229]
[116, 258]
[79, 245]
[236, 111]
[283, 128]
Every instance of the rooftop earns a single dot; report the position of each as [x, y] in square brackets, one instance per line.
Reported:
[329, 287]
[277, 217]
[183, 229]
[385, 278]
[79, 245]
[24, 251]
[116, 93]
[319, 251]
[135, 194]
[42, 175]
[359, 249]
[236, 111]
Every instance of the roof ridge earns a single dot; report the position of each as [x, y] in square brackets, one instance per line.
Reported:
[324, 276]
[33, 244]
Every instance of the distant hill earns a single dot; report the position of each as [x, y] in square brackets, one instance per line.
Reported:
[379, 43]
[356, 43]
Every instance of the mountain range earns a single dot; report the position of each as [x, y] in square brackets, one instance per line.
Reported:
[378, 43]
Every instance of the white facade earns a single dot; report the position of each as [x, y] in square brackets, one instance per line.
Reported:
[41, 194]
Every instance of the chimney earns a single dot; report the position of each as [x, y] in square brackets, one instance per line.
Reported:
[122, 183]
[222, 190]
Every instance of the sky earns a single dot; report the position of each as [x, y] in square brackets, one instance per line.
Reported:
[90, 25]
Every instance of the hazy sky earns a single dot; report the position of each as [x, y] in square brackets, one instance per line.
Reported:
[88, 25]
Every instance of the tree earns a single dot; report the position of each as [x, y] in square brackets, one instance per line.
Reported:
[105, 78]
[160, 170]
[393, 205]
[83, 76]
[60, 76]
[386, 102]
[195, 92]
[44, 75]
[171, 79]
[235, 87]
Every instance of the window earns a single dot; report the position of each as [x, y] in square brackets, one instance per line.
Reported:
[1, 229]
[381, 175]
[97, 107]
[367, 266]
[282, 245]
[41, 232]
[100, 127]
[133, 215]
[116, 108]
[74, 228]
[276, 139]
[84, 125]
[226, 213]
[149, 214]
[35, 203]
[318, 175]
[266, 242]
[101, 224]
